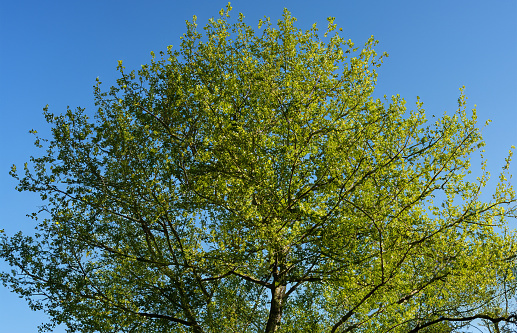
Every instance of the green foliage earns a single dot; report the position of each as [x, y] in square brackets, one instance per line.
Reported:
[249, 182]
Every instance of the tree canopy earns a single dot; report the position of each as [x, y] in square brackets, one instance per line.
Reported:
[249, 181]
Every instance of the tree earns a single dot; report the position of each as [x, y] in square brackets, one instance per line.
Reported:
[251, 183]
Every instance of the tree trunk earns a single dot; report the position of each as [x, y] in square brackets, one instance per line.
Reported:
[275, 311]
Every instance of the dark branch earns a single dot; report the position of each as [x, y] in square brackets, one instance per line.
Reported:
[169, 318]
[509, 319]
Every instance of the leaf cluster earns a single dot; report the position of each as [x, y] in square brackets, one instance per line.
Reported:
[249, 181]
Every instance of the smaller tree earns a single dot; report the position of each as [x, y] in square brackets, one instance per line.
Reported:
[251, 183]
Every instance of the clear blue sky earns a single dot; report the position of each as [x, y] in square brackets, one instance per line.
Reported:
[52, 51]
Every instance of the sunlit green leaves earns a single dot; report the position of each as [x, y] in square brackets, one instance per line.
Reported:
[249, 178]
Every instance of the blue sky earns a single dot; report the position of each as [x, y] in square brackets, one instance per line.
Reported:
[52, 51]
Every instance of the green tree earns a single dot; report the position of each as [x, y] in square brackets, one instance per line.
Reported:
[251, 183]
